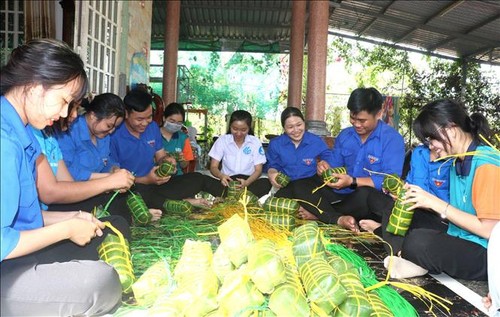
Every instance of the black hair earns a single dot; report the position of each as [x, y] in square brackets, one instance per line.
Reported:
[46, 62]
[365, 99]
[105, 106]
[291, 112]
[445, 113]
[241, 115]
[174, 108]
[137, 100]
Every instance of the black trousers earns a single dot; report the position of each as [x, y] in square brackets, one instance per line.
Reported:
[177, 188]
[363, 203]
[428, 245]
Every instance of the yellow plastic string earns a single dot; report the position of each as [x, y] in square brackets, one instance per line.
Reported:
[425, 296]
[311, 204]
[336, 170]
[385, 174]
[115, 231]
[244, 202]
[428, 298]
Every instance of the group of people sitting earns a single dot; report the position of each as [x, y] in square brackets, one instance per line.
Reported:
[57, 165]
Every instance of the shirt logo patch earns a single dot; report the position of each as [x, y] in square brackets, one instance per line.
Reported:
[151, 143]
[372, 159]
[261, 151]
[247, 150]
[308, 161]
[438, 182]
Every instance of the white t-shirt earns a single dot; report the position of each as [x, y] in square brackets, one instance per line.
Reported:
[238, 160]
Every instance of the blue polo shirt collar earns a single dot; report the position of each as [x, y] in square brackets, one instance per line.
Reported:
[82, 127]
[306, 139]
[26, 137]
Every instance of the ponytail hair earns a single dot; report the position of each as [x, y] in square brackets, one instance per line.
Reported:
[480, 127]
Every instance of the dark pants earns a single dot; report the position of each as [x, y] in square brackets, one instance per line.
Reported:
[439, 252]
[360, 204]
[177, 188]
[428, 245]
[62, 279]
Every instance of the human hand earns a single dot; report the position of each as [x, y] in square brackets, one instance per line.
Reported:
[343, 180]
[243, 183]
[153, 178]
[88, 216]
[168, 158]
[348, 222]
[416, 197]
[81, 231]
[321, 167]
[225, 179]
[121, 180]
[271, 175]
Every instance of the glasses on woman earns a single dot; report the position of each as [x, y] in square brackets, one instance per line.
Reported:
[427, 141]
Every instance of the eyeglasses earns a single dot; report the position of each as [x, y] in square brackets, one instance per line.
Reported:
[427, 140]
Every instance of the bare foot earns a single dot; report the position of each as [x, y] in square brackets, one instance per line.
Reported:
[156, 213]
[306, 215]
[369, 225]
[198, 202]
[402, 268]
[487, 301]
[348, 222]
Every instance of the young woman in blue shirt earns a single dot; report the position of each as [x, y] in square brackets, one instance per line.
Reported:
[295, 152]
[38, 274]
[86, 151]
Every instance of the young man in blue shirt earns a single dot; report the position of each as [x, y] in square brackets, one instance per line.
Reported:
[370, 145]
[137, 146]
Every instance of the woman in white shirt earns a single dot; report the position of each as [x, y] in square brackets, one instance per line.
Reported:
[241, 154]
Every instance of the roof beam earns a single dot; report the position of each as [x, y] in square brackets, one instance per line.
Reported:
[477, 39]
[483, 51]
[437, 15]
[474, 28]
[375, 19]
[410, 49]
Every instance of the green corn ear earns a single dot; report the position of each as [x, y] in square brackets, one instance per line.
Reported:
[180, 207]
[139, 209]
[282, 179]
[165, 169]
[327, 174]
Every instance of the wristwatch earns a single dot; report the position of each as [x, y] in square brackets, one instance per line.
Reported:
[354, 183]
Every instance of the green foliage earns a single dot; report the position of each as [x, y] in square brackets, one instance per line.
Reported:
[236, 84]
[445, 80]
[391, 71]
